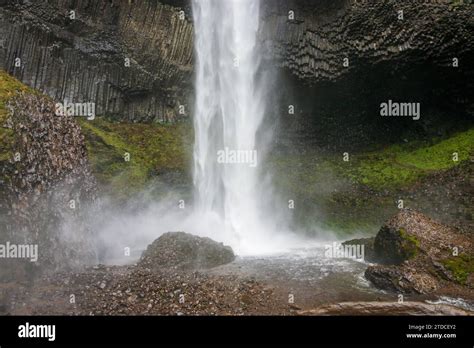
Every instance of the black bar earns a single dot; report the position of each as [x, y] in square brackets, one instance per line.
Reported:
[260, 330]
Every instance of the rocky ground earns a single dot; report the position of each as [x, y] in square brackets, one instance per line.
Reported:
[165, 281]
[135, 291]
[165, 287]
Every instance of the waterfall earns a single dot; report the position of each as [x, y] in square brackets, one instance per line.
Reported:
[230, 107]
[234, 199]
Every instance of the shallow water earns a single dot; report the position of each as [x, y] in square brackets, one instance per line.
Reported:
[310, 276]
[313, 279]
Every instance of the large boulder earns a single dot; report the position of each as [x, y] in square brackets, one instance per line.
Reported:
[419, 255]
[409, 232]
[184, 251]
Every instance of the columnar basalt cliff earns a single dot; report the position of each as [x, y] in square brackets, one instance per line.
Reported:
[133, 58]
[85, 57]
[312, 38]
[342, 59]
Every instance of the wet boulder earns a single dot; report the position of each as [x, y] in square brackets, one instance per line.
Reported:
[184, 251]
[411, 235]
[406, 280]
[419, 255]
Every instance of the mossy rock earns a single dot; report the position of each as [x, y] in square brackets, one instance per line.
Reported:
[394, 246]
[416, 253]
[126, 157]
[461, 267]
[9, 88]
[410, 234]
[409, 245]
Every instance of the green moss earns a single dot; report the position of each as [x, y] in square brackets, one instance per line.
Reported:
[410, 244]
[389, 168]
[9, 87]
[358, 194]
[401, 165]
[153, 150]
[440, 155]
[346, 225]
[460, 266]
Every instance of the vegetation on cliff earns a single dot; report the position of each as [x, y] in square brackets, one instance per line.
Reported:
[125, 157]
[9, 88]
[403, 164]
[359, 194]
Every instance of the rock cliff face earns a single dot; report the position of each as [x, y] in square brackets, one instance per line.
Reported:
[395, 50]
[406, 55]
[46, 186]
[133, 58]
[312, 38]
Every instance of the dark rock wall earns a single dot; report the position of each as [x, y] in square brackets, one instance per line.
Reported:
[409, 60]
[84, 59]
[324, 32]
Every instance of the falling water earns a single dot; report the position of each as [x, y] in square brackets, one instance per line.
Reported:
[234, 202]
[229, 111]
